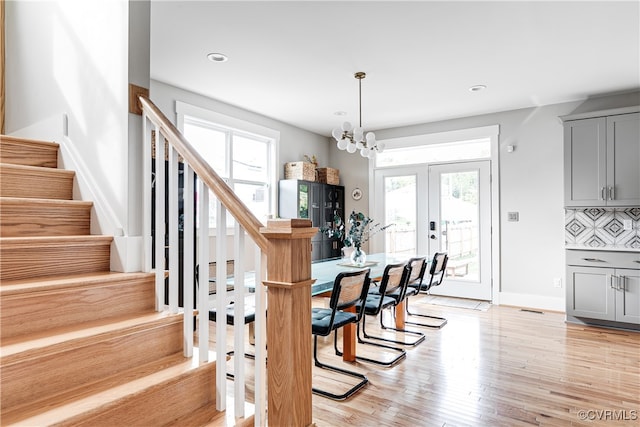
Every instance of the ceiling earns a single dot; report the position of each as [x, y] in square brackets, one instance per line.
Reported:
[294, 61]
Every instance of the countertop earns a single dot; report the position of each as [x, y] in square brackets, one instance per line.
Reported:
[602, 248]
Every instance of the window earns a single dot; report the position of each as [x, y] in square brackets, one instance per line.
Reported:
[435, 153]
[241, 155]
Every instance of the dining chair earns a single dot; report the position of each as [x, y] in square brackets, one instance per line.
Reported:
[416, 283]
[346, 306]
[399, 294]
[393, 278]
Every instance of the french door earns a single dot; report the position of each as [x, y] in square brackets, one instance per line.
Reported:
[440, 208]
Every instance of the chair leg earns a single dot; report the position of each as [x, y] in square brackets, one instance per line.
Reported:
[402, 353]
[363, 379]
[443, 321]
[420, 335]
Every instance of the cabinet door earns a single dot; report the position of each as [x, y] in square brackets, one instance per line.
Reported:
[585, 162]
[590, 293]
[628, 296]
[623, 160]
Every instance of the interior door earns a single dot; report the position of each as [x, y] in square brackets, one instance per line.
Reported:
[460, 224]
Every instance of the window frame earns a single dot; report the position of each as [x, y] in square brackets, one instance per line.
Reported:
[186, 113]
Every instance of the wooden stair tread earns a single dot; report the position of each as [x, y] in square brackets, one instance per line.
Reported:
[38, 170]
[44, 241]
[19, 286]
[106, 392]
[43, 202]
[57, 340]
[29, 141]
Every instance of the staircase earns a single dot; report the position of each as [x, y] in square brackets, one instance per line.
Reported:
[81, 345]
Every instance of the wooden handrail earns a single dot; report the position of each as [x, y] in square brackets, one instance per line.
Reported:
[206, 173]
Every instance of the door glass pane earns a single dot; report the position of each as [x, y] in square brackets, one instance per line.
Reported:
[459, 223]
[400, 210]
[250, 159]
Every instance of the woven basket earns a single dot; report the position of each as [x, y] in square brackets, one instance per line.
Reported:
[329, 176]
[300, 170]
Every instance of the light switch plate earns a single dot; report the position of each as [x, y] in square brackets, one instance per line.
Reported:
[513, 216]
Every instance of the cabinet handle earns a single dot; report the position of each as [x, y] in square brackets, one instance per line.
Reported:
[638, 261]
[611, 193]
[602, 195]
[611, 280]
[593, 260]
[622, 285]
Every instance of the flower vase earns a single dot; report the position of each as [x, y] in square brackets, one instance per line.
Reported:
[358, 257]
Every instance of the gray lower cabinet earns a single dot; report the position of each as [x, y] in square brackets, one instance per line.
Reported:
[603, 286]
[601, 156]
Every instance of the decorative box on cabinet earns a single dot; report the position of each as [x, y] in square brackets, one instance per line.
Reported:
[601, 156]
[603, 288]
[318, 202]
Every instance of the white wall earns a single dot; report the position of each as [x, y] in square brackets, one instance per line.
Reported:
[70, 57]
[531, 183]
[68, 69]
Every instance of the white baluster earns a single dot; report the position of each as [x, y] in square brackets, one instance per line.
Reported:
[146, 196]
[203, 272]
[188, 263]
[160, 220]
[260, 330]
[221, 309]
[238, 314]
[173, 231]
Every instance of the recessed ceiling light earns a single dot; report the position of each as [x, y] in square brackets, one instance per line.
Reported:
[340, 113]
[217, 57]
[477, 88]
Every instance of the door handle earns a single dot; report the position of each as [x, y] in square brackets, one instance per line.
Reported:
[433, 236]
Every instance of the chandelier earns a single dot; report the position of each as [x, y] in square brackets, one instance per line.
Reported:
[353, 139]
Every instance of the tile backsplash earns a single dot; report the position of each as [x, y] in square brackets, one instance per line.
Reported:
[599, 227]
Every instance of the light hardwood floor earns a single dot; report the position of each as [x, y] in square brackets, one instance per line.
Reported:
[501, 367]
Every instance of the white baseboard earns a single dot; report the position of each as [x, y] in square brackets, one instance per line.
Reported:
[532, 301]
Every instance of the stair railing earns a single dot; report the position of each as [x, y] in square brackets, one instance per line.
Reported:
[159, 131]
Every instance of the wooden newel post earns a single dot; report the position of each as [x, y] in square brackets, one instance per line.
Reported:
[289, 321]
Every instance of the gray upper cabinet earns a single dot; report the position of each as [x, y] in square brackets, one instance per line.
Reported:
[601, 158]
[623, 159]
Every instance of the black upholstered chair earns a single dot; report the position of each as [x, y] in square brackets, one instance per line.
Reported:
[436, 275]
[349, 291]
[399, 294]
[393, 279]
